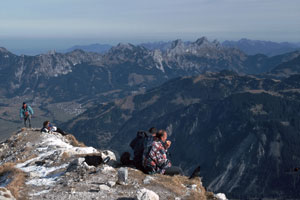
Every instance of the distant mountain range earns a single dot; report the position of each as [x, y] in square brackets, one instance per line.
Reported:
[252, 47]
[97, 48]
[123, 69]
[242, 130]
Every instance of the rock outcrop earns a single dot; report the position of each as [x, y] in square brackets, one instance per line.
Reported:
[52, 168]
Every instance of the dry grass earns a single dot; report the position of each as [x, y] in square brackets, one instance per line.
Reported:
[174, 184]
[74, 141]
[210, 196]
[178, 184]
[17, 177]
[137, 175]
[65, 156]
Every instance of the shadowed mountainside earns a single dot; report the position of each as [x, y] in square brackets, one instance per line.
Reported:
[242, 130]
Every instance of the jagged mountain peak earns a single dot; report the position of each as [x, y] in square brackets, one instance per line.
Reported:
[126, 47]
[205, 43]
[4, 50]
[177, 43]
[202, 40]
[52, 166]
[51, 52]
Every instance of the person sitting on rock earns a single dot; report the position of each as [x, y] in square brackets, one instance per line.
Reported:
[49, 128]
[156, 160]
[139, 143]
[25, 114]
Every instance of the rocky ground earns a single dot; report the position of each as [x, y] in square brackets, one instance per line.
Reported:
[38, 166]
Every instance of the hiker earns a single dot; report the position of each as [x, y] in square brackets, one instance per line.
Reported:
[49, 128]
[139, 143]
[156, 161]
[25, 114]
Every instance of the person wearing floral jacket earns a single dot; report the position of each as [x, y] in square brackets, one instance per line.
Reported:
[156, 160]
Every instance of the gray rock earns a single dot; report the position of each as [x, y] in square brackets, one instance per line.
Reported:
[111, 183]
[107, 169]
[5, 194]
[145, 194]
[122, 175]
[75, 164]
[193, 187]
[104, 187]
[112, 157]
[148, 179]
[220, 196]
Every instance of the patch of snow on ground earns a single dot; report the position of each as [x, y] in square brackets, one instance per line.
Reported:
[39, 193]
[221, 196]
[50, 149]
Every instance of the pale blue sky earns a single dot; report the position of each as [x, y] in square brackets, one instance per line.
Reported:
[63, 23]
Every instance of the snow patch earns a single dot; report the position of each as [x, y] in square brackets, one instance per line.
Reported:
[221, 196]
[39, 193]
[50, 149]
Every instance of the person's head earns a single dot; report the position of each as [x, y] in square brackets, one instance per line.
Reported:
[46, 123]
[153, 131]
[24, 105]
[162, 135]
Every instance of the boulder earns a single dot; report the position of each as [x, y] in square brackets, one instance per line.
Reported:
[220, 196]
[75, 164]
[145, 194]
[148, 179]
[5, 194]
[122, 175]
[112, 157]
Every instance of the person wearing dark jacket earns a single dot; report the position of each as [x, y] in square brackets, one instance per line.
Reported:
[139, 144]
[49, 128]
[25, 114]
[156, 160]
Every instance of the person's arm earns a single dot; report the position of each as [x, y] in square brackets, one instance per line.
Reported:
[21, 113]
[30, 110]
[44, 130]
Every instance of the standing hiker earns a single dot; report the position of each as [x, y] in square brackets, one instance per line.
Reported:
[25, 114]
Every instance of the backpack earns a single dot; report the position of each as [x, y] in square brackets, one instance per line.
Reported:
[147, 145]
[140, 135]
[137, 145]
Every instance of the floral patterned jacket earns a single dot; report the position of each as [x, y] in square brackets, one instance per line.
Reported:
[156, 160]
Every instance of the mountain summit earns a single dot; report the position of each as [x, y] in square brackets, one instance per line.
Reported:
[37, 165]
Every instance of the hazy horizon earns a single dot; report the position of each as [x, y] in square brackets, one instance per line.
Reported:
[60, 24]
